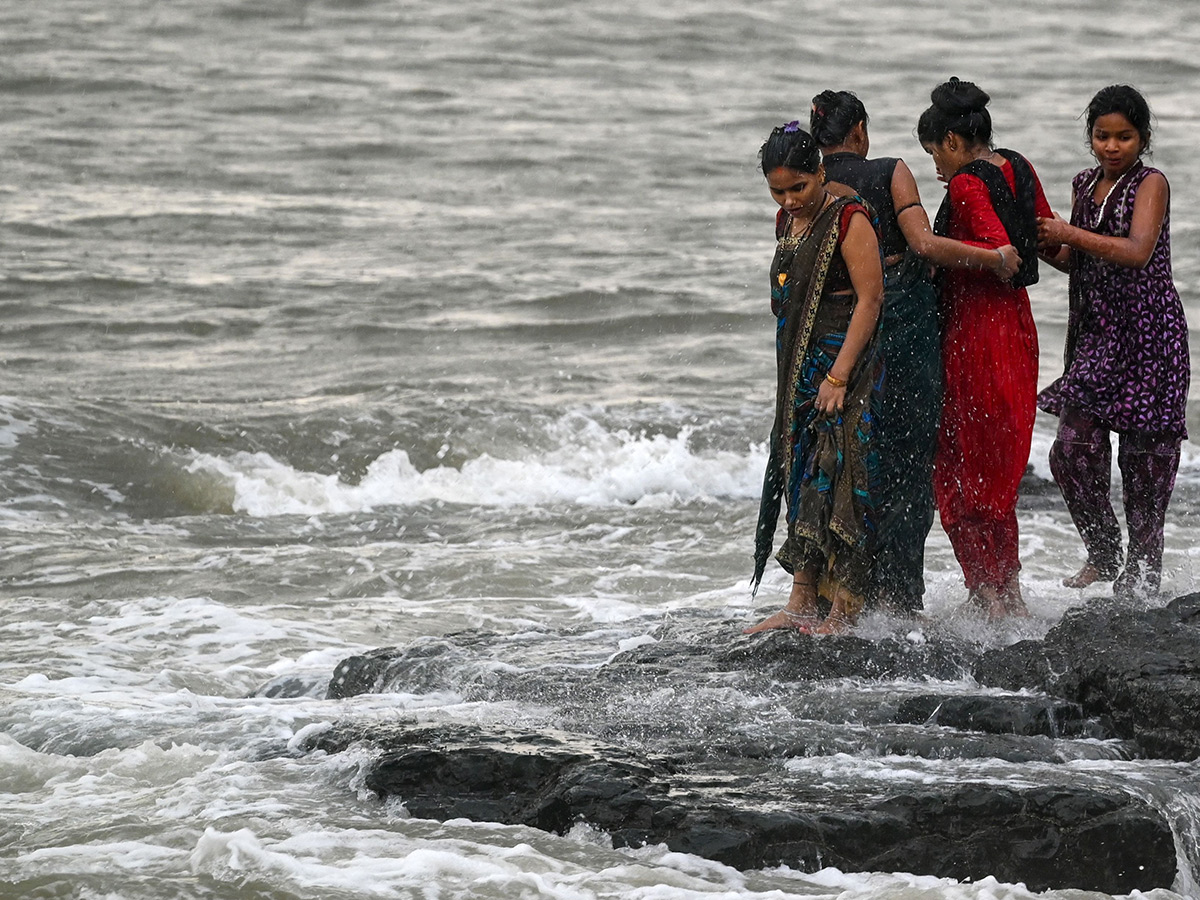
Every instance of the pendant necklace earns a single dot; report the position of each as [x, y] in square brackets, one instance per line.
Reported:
[791, 241]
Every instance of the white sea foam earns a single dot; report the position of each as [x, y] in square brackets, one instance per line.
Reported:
[512, 861]
[590, 466]
[596, 468]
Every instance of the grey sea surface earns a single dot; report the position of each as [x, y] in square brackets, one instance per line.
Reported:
[328, 325]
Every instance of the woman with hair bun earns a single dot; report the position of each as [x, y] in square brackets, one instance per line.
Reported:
[910, 339]
[1127, 359]
[826, 292]
[989, 344]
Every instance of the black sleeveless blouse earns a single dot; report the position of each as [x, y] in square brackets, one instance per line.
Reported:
[872, 179]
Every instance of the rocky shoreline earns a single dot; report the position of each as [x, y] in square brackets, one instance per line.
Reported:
[1108, 682]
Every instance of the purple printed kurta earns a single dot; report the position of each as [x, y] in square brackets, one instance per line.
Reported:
[1127, 359]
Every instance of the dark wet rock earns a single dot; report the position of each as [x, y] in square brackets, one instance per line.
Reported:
[1017, 667]
[924, 742]
[790, 656]
[1136, 669]
[1046, 837]
[753, 815]
[788, 748]
[1024, 715]
[366, 673]
[781, 655]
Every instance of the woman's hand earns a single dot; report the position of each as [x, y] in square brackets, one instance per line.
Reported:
[1008, 263]
[1052, 233]
[831, 400]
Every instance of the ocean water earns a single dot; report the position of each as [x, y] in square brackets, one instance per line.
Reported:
[327, 326]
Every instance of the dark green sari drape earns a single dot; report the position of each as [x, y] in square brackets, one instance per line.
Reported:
[910, 336]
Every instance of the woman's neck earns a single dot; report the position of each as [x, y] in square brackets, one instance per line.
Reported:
[802, 221]
[1107, 175]
[842, 148]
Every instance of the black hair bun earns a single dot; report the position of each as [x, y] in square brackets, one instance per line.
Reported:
[959, 98]
[825, 101]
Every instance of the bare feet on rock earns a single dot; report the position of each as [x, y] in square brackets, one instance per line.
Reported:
[990, 601]
[800, 612]
[1089, 574]
[833, 625]
[843, 615]
[998, 602]
[1011, 597]
[785, 618]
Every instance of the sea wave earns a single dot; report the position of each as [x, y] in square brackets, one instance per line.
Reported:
[588, 466]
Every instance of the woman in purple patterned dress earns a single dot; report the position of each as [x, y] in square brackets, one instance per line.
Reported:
[1127, 362]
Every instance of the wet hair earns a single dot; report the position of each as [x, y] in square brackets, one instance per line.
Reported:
[959, 107]
[791, 147]
[834, 115]
[1123, 99]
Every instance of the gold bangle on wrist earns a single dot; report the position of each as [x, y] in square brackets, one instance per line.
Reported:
[836, 382]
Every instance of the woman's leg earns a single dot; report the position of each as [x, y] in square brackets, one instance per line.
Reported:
[1012, 598]
[801, 610]
[1081, 462]
[988, 550]
[987, 427]
[845, 606]
[1148, 465]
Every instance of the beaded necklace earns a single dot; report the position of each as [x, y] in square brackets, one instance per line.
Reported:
[1102, 208]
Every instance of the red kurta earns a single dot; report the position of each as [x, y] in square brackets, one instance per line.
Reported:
[990, 366]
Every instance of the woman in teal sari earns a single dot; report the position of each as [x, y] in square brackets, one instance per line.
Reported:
[826, 293]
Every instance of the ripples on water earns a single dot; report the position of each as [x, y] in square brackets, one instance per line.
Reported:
[333, 325]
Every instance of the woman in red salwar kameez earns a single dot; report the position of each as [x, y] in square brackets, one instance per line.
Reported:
[989, 344]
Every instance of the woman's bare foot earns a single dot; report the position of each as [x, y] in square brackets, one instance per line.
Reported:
[999, 603]
[785, 618]
[991, 601]
[844, 612]
[1014, 602]
[833, 625]
[800, 612]
[1089, 574]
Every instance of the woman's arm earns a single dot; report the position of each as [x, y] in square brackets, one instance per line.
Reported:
[914, 224]
[860, 252]
[1134, 251]
[1054, 252]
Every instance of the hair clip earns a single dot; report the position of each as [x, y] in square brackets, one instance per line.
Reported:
[791, 127]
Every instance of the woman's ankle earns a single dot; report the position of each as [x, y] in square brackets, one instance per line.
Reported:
[803, 599]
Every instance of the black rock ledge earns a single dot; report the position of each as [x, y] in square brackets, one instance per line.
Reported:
[1107, 682]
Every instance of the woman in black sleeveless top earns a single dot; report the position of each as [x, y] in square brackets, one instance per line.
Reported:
[911, 342]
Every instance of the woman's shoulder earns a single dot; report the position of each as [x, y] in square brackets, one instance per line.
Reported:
[972, 181]
[1085, 177]
[1153, 183]
[851, 207]
[1019, 172]
[966, 184]
[1148, 172]
[852, 204]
